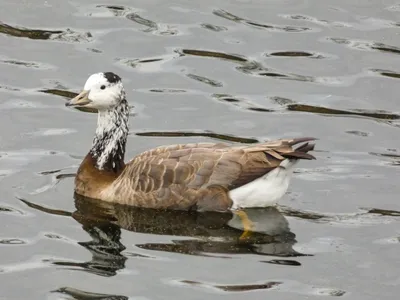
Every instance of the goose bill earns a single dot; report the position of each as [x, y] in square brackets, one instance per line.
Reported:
[80, 100]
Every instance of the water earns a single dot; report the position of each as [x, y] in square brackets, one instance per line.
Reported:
[239, 71]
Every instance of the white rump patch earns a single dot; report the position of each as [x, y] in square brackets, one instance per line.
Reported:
[266, 190]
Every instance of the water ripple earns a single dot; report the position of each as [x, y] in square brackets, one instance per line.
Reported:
[317, 21]
[246, 66]
[83, 295]
[331, 111]
[231, 17]
[365, 45]
[395, 7]
[365, 217]
[394, 159]
[11, 210]
[240, 103]
[285, 262]
[151, 65]
[9, 88]
[279, 286]
[26, 64]
[34, 34]
[296, 54]
[359, 133]
[116, 10]
[213, 54]
[167, 90]
[152, 27]
[208, 81]
[363, 24]
[50, 132]
[12, 241]
[384, 212]
[233, 287]
[218, 136]
[213, 27]
[387, 73]
[254, 68]
[33, 264]
[94, 50]
[66, 35]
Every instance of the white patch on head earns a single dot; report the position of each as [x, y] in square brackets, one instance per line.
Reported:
[266, 190]
[96, 79]
[103, 94]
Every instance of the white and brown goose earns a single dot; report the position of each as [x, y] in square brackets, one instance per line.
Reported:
[203, 176]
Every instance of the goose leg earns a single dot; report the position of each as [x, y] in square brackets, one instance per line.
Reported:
[247, 224]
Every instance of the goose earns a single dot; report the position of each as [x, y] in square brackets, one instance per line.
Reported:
[196, 176]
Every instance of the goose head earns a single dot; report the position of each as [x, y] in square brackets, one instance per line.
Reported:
[105, 92]
[102, 91]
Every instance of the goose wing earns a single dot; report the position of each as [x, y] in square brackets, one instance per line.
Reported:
[176, 173]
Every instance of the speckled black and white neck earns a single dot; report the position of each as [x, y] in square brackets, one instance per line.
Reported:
[109, 143]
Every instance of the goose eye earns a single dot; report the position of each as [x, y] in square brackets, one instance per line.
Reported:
[103, 87]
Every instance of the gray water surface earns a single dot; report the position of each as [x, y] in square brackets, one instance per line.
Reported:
[234, 71]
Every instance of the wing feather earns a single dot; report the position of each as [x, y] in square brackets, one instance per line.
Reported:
[180, 174]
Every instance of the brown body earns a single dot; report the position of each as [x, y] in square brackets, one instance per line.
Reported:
[189, 176]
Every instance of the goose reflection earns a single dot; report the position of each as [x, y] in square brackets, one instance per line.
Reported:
[208, 234]
[105, 246]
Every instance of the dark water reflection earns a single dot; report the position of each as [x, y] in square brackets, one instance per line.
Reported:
[83, 295]
[37, 34]
[206, 234]
[210, 234]
[231, 17]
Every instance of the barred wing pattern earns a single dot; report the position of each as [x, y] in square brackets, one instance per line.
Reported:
[199, 176]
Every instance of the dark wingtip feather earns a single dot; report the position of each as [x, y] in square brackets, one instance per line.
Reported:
[305, 147]
[300, 155]
[301, 151]
[301, 140]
